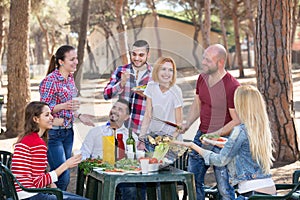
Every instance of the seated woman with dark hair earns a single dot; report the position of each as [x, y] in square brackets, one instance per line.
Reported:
[29, 160]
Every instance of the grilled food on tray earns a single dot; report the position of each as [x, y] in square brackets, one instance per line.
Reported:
[139, 88]
[159, 139]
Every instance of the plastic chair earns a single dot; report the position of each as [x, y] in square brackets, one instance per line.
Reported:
[293, 187]
[296, 176]
[7, 180]
[81, 179]
[292, 194]
[5, 158]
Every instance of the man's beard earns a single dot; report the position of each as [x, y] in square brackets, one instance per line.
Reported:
[211, 71]
[143, 63]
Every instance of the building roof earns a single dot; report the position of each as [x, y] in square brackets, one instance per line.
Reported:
[188, 22]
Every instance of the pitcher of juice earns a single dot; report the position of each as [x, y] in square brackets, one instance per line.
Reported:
[108, 149]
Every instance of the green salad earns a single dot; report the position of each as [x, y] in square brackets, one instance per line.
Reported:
[127, 164]
[88, 165]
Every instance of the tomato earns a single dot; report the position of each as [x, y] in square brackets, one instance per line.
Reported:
[153, 160]
[139, 160]
[221, 140]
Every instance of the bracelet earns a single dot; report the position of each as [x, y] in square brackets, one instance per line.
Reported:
[79, 116]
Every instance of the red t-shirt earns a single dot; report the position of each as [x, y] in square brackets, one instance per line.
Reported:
[215, 102]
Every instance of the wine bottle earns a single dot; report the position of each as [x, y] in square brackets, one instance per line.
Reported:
[121, 146]
[116, 144]
[130, 145]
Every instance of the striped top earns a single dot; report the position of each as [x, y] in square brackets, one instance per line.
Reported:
[29, 163]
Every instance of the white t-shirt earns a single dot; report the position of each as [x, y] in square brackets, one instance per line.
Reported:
[163, 107]
[140, 75]
[92, 145]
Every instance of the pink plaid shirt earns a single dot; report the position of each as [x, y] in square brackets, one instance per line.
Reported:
[55, 89]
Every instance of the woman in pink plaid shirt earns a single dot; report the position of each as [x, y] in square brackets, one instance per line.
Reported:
[57, 89]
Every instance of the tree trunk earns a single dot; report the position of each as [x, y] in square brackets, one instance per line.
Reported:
[151, 4]
[121, 28]
[222, 24]
[296, 16]
[156, 19]
[1, 32]
[248, 51]
[206, 24]
[93, 65]
[274, 78]
[251, 27]
[237, 39]
[195, 46]
[17, 67]
[45, 31]
[38, 39]
[81, 42]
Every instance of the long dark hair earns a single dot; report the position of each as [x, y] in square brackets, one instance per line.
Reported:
[33, 109]
[59, 55]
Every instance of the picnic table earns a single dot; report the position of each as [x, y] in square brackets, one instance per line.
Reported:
[101, 185]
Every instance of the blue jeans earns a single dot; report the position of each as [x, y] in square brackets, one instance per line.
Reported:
[126, 191]
[66, 195]
[59, 150]
[197, 166]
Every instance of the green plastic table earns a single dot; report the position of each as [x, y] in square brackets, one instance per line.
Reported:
[102, 186]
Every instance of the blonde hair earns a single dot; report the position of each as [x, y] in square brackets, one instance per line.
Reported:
[159, 62]
[251, 109]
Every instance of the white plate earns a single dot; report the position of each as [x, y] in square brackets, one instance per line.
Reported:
[102, 171]
[214, 142]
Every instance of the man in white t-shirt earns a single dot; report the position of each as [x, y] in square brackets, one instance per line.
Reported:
[92, 145]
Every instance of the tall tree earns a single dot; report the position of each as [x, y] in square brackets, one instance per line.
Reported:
[48, 25]
[274, 78]
[82, 42]
[236, 25]
[152, 6]
[17, 67]
[193, 11]
[236, 12]
[3, 17]
[121, 28]
[296, 18]
[135, 25]
[206, 24]
[222, 24]
[251, 25]
[1, 30]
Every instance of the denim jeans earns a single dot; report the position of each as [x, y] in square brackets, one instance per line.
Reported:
[197, 166]
[241, 197]
[126, 191]
[66, 195]
[59, 150]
